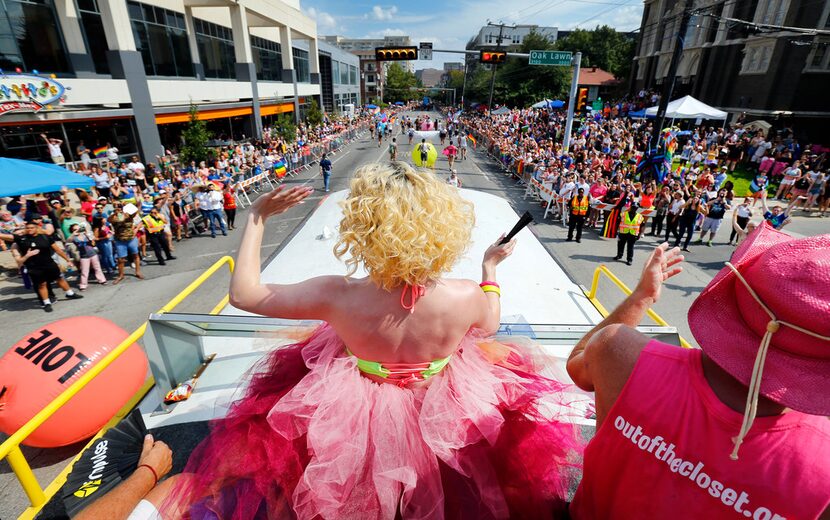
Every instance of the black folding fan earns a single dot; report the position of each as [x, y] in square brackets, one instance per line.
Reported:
[103, 465]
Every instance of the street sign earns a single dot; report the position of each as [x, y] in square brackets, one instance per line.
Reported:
[425, 51]
[560, 58]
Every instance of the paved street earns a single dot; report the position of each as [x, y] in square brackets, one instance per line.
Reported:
[128, 304]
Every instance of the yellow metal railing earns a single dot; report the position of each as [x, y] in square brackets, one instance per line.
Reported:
[10, 449]
[592, 296]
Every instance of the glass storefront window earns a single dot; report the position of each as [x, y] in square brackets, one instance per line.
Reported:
[23, 141]
[161, 38]
[352, 75]
[267, 59]
[215, 44]
[93, 29]
[344, 74]
[335, 72]
[301, 65]
[30, 38]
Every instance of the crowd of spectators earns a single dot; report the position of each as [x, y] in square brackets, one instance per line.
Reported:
[134, 204]
[697, 193]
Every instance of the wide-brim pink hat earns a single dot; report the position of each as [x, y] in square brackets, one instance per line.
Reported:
[791, 277]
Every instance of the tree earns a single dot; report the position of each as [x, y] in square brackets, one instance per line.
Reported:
[519, 84]
[286, 128]
[195, 138]
[602, 47]
[314, 116]
[399, 82]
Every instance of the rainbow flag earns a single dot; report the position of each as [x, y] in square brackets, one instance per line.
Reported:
[100, 152]
[280, 169]
[471, 138]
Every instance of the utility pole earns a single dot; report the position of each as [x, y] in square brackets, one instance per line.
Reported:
[464, 84]
[569, 123]
[669, 81]
[501, 26]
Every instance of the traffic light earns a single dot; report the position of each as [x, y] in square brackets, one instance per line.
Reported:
[492, 56]
[396, 53]
[581, 99]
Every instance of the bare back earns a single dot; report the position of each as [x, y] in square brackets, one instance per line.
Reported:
[374, 325]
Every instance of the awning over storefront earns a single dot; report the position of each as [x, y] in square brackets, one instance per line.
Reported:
[19, 177]
[217, 113]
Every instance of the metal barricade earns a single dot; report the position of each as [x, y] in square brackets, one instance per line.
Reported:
[592, 296]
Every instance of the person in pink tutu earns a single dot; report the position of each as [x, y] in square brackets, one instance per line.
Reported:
[399, 405]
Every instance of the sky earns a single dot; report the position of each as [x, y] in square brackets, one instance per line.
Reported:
[450, 24]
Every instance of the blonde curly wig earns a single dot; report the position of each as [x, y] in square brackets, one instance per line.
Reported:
[404, 225]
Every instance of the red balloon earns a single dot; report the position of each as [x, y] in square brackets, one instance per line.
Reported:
[48, 360]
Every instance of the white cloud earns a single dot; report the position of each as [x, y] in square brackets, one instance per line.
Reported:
[379, 13]
[385, 32]
[324, 20]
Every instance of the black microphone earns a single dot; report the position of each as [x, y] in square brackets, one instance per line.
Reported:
[523, 221]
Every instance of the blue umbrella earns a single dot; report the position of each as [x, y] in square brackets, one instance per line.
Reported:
[556, 103]
[371, 106]
[19, 177]
[399, 103]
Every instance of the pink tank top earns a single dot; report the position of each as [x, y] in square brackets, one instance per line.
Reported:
[663, 452]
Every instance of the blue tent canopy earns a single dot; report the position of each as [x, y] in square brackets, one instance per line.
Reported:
[400, 103]
[19, 177]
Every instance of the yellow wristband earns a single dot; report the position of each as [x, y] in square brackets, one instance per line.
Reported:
[491, 288]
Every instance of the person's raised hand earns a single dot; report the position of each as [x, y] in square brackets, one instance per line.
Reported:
[157, 455]
[280, 200]
[661, 265]
[496, 253]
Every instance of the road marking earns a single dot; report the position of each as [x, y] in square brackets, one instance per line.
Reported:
[341, 156]
[475, 163]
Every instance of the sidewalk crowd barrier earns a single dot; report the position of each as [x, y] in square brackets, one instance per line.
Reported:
[251, 184]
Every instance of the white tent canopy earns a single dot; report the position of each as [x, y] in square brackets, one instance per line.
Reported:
[688, 107]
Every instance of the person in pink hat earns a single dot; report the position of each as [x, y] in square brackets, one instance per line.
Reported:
[737, 429]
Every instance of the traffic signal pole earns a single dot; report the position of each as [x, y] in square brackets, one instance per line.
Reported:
[569, 123]
[669, 81]
[464, 84]
[495, 66]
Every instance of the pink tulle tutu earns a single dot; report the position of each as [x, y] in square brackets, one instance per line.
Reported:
[313, 438]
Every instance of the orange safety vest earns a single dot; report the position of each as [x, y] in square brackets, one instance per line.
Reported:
[153, 225]
[628, 225]
[580, 207]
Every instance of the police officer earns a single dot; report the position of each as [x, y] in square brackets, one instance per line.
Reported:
[154, 224]
[630, 222]
[579, 204]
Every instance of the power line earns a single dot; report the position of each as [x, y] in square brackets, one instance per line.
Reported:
[615, 6]
[770, 27]
[531, 6]
[550, 4]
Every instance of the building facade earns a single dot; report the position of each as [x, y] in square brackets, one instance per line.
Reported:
[369, 44]
[770, 74]
[430, 77]
[372, 72]
[131, 69]
[512, 37]
[339, 77]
